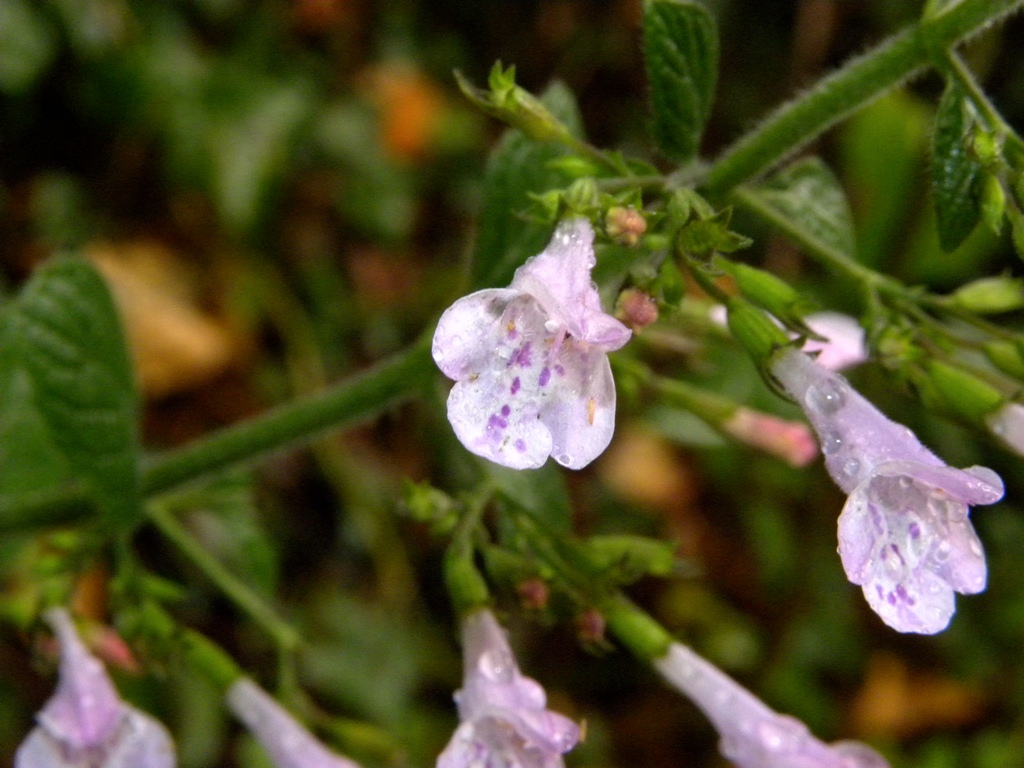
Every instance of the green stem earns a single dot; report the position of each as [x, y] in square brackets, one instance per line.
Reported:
[466, 585]
[286, 638]
[818, 249]
[851, 87]
[301, 421]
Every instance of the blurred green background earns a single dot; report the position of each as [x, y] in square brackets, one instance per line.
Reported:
[283, 191]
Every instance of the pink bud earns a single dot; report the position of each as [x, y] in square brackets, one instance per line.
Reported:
[791, 441]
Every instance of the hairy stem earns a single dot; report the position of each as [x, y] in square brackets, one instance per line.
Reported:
[851, 87]
[357, 399]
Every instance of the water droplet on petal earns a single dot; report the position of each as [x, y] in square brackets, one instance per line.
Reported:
[975, 546]
[831, 441]
[497, 665]
[826, 397]
[851, 467]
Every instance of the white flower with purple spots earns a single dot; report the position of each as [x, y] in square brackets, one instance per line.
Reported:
[85, 724]
[904, 534]
[530, 361]
[752, 734]
[504, 720]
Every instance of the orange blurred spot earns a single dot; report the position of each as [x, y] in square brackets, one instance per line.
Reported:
[410, 107]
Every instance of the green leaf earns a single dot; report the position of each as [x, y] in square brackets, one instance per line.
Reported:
[517, 168]
[956, 176]
[64, 334]
[808, 194]
[541, 491]
[681, 51]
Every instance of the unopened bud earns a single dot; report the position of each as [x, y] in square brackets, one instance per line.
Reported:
[993, 203]
[636, 308]
[960, 393]
[625, 225]
[519, 108]
[791, 441]
[533, 594]
[590, 627]
[991, 295]
[1006, 356]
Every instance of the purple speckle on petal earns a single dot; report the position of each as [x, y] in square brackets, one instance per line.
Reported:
[522, 358]
[545, 377]
[521, 445]
[515, 385]
[560, 369]
[914, 530]
[496, 422]
[505, 411]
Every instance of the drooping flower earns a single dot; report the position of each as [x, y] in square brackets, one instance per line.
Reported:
[530, 363]
[504, 722]
[904, 534]
[752, 734]
[287, 742]
[85, 724]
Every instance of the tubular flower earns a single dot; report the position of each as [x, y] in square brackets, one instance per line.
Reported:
[504, 722]
[286, 741]
[904, 534]
[530, 363]
[85, 724]
[845, 346]
[752, 734]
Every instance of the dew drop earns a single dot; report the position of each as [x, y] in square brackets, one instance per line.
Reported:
[551, 326]
[942, 551]
[851, 467]
[564, 459]
[826, 396]
[497, 665]
[831, 441]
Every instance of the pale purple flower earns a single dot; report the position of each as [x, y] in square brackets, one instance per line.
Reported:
[530, 363]
[287, 742]
[752, 734]
[1007, 423]
[904, 534]
[844, 346]
[504, 722]
[85, 724]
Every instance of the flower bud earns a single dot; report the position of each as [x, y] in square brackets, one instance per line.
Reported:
[519, 108]
[791, 441]
[625, 225]
[990, 295]
[993, 203]
[771, 293]
[1007, 357]
[956, 392]
[636, 308]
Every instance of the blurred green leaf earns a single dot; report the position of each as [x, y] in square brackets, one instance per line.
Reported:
[808, 194]
[27, 45]
[681, 50]
[67, 336]
[517, 167]
[956, 176]
[542, 491]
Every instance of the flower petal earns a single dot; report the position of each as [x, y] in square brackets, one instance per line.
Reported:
[468, 331]
[287, 742]
[85, 709]
[580, 413]
[559, 278]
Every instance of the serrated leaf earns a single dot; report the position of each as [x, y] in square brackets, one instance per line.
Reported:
[65, 334]
[517, 168]
[956, 176]
[808, 195]
[681, 52]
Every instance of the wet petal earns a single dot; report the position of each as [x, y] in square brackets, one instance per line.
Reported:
[504, 720]
[287, 742]
[580, 414]
[468, 331]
